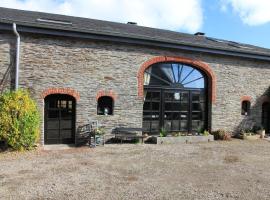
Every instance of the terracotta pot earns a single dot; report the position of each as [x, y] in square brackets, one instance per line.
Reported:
[261, 133]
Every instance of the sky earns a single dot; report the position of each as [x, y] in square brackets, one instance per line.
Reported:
[245, 21]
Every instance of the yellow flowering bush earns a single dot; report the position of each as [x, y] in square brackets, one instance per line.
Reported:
[19, 120]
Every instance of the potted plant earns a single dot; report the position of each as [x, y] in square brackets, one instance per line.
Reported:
[163, 132]
[99, 135]
[259, 129]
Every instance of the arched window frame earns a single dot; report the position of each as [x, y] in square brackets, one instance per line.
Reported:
[245, 107]
[101, 106]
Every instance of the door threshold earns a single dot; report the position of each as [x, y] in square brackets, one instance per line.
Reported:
[49, 147]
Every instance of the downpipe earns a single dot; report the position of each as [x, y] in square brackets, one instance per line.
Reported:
[18, 44]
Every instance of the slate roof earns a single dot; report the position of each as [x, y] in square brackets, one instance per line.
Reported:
[99, 27]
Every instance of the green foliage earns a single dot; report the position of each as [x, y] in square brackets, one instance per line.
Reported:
[163, 132]
[20, 120]
[206, 133]
[221, 135]
[100, 131]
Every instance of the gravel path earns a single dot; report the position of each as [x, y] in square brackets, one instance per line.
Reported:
[218, 170]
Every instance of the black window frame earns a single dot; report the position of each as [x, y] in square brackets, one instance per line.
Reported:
[245, 107]
[101, 108]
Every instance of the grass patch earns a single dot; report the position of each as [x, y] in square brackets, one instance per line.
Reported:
[231, 159]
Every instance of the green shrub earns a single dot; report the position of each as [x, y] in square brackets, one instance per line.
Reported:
[206, 133]
[163, 132]
[20, 120]
[221, 135]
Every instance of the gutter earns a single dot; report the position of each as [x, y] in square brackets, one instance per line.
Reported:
[18, 43]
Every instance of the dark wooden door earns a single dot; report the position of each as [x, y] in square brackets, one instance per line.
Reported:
[59, 119]
[266, 117]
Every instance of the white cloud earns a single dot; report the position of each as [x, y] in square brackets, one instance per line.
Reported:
[168, 14]
[251, 12]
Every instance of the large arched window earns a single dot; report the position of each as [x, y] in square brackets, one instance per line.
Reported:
[175, 75]
[175, 98]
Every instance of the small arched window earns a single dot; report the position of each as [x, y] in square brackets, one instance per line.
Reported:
[105, 105]
[245, 108]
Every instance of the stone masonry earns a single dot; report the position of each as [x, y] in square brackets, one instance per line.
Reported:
[88, 67]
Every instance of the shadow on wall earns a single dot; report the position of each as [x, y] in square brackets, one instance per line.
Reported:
[7, 81]
[255, 117]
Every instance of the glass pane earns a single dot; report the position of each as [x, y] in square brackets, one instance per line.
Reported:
[70, 104]
[184, 97]
[66, 124]
[66, 114]
[196, 84]
[52, 104]
[155, 126]
[54, 124]
[184, 125]
[66, 133]
[197, 125]
[197, 107]
[146, 125]
[155, 115]
[169, 96]
[183, 116]
[147, 116]
[185, 71]
[52, 134]
[167, 72]
[184, 107]
[175, 125]
[168, 116]
[147, 96]
[197, 116]
[167, 125]
[63, 104]
[53, 114]
[155, 106]
[155, 96]
[176, 69]
[147, 106]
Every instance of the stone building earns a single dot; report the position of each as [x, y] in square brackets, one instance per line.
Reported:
[81, 69]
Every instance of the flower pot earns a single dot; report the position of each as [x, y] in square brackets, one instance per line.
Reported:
[262, 133]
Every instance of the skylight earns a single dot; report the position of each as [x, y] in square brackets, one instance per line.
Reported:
[54, 21]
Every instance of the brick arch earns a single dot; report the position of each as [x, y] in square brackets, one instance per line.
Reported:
[195, 63]
[264, 99]
[67, 91]
[109, 93]
[246, 98]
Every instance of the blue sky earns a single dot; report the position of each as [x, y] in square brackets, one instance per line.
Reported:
[228, 25]
[246, 21]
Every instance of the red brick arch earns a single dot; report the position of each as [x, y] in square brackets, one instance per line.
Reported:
[195, 63]
[246, 98]
[67, 91]
[109, 93]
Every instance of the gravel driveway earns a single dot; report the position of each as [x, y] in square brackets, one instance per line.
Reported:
[218, 170]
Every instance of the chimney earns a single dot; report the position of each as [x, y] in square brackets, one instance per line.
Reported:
[200, 34]
[132, 23]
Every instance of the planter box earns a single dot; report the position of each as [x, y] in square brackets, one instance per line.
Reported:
[251, 137]
[183, 139]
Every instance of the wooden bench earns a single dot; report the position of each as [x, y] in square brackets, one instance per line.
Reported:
[84, 135]
[124, 133]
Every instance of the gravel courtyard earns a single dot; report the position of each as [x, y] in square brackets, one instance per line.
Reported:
[218, 170]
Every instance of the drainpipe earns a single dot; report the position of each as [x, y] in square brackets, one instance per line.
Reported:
[17, 56]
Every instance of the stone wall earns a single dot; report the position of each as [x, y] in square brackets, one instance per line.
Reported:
[89, 67]
[6, 61]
